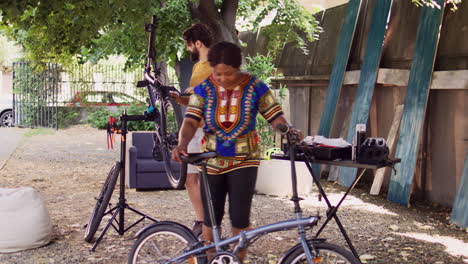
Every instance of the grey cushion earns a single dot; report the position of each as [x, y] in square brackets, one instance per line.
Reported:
[144, 143]
[149, 165]
[144, 171]
[152, 181]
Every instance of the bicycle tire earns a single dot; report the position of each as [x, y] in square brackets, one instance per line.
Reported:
[102, 202]
[330, 253]
[162, 243]
[171, 121]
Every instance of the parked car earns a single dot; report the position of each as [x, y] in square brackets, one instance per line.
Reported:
[102, 98]
[6, 110]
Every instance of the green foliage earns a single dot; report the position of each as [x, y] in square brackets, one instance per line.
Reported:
[67, 116]
[99, 117]
[34, 95]
[292, 23]
[263, 68]
[65, 31]
[139, 125]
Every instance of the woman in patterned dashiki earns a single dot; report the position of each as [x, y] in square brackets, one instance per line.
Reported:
[228, 102]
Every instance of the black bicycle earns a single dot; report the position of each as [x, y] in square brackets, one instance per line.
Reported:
[167, 116]
[166, 112]
[102, 202]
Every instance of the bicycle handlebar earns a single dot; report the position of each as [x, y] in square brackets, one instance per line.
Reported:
[194, 158]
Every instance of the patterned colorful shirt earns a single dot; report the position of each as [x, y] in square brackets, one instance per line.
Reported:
[230, 119]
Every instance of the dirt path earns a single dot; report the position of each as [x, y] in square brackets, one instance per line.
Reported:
[68, 167]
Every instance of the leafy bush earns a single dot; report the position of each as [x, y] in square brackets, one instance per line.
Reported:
[67, 116]
[99, 117]
[263, 68]
[138, 125]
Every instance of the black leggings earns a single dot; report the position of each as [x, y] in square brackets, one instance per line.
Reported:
[240, 185]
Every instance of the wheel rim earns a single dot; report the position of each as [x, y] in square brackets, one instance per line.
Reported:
[172, 130]
[8, 120]
[102, 202]
[326, 256]
[160, 247]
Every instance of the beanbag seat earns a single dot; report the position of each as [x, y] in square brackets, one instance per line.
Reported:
[24, 220]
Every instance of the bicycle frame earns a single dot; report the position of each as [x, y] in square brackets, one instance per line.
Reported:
[156, 90]
[246, 236]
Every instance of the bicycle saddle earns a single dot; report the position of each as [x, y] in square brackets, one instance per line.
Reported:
[194, 158]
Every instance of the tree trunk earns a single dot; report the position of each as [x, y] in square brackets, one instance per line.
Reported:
[222, 22]
[184, 71]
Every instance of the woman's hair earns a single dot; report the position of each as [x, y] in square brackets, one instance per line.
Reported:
[226, 53]
[199, 32]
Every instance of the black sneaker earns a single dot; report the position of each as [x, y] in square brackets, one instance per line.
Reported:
[197, 228]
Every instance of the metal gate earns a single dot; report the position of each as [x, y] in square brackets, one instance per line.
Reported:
[35, 96]
[41, 99]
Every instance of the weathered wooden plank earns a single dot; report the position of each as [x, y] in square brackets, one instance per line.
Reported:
[391, 139]
[339, 66]
[460, 206]
[415, 102]
[367, 79]
[446, 80]
[338, 70]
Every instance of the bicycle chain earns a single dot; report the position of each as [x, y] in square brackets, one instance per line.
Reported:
[225, 258]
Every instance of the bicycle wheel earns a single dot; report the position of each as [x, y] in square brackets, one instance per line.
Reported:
[327, 253]
[171, 120]
[161, 243]
[102, 202]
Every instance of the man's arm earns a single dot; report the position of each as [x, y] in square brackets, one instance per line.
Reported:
[187, 131]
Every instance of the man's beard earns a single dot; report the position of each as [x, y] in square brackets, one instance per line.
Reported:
[194, 56]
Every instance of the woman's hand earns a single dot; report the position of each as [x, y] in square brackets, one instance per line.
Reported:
[177, 151]
[290, 129]
[296, 133]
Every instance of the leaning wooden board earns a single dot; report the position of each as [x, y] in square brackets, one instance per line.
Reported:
[391, 138]
[460, 207]
[338, 70]
[415, 103]
[369, 69]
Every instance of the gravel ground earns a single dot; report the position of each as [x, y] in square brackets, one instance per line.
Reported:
[69, 166]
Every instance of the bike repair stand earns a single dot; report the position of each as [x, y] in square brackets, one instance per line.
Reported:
[122, 205]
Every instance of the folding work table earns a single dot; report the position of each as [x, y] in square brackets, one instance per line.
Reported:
[332, 209]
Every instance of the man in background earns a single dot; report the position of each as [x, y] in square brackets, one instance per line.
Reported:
[198, 39]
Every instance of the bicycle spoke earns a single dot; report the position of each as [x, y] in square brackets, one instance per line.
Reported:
[161, 245]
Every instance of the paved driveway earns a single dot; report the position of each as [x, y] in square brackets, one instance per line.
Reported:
[9, 139]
